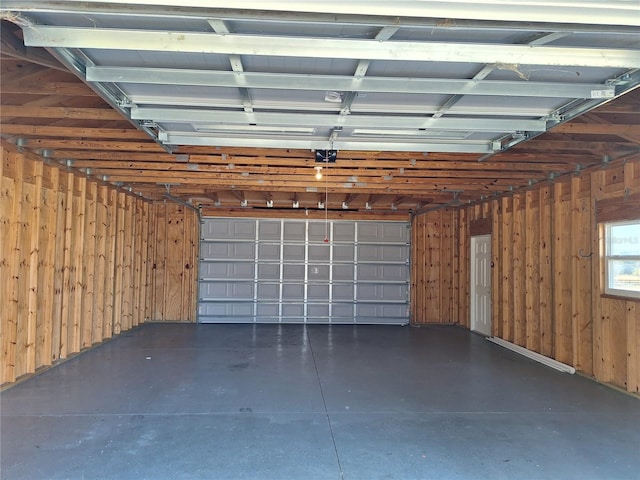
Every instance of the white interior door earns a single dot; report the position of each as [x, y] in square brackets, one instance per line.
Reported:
[481, 284]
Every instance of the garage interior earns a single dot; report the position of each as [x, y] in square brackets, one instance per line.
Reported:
[268, 239]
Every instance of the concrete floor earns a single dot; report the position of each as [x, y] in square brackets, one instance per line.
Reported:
[289, 402]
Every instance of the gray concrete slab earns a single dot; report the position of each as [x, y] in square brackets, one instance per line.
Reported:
[289, 402]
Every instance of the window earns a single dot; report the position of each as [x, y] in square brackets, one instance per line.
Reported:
[622, 258]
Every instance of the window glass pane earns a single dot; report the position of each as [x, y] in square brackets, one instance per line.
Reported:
[624, 275]
[624, 239]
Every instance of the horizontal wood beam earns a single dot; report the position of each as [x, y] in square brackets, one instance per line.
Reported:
[71, 89]
[75, 113]
[597, 129]
[74, 132]
[116, 168]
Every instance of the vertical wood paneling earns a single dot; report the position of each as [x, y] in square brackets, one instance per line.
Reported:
[532, 270]
[507, 269]
[496, 271]
[582, 318]
[74, 259]
[66, 266]
[77, 288]
[118, 282]
[633, 346]
[562, 283]
[32, 222]
[127, 264]
[518, 281]
[88, 267]
[547, 272]
[110, 278]
[9, 320]
[100, 266]
[59, 292]
[446, 267]
[46, 268]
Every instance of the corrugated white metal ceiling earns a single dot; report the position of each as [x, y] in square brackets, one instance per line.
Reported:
[383, 76]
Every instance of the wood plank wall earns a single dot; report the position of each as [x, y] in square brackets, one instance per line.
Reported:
[78, 263]
[174, 242]
[547, 273]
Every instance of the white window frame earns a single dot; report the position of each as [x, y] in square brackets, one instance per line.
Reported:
[608, 257]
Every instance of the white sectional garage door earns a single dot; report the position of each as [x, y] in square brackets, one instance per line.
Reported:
[282, 271]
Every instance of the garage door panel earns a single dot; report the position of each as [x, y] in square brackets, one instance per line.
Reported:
[268, 310]
[364, 310]
[227, 251]
[294, 231]
[293, 272]
[294, 311]
[387, 232]
[377, 292]
[293, 253]
[343, 253]
[220, 270]
[269, 230]
[318, 311]
[319, 253]
[269, 252]
[255, 270]
[292, 291]
[343, 292]
[228, 309]
[343, 273]
[227, 290]
[343, 311]
[318, 273]
[383, 272]
[318, 292]
[268, 271]
[268, 291]
[344, 232]
[238, 229]
[317, 231]
[382, 253]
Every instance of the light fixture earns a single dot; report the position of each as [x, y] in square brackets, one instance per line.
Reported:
[333, 97]
[318, 173]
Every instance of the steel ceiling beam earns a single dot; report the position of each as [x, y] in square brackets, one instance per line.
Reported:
[223, 117]
[589, 12]
[282, 46]
[340, 83]
[181, 138]
[627, 24]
